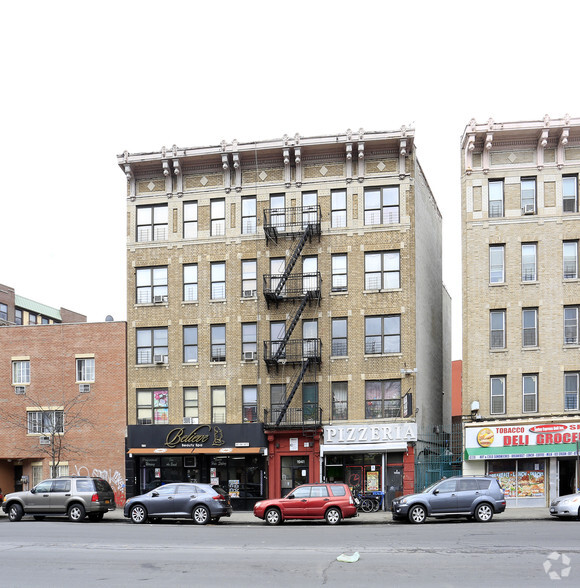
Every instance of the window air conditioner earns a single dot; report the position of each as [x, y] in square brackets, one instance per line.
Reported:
[84, 388]
[19, 389]
[44, 440]
[248, 293]
[529, 208]
[160, 358]
[159, 299]
[190, 420]
[249, 355]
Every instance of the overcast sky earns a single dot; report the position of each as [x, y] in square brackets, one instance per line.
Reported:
[83, 81]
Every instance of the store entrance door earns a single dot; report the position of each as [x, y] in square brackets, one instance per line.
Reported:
[294, 472]
[567, 476]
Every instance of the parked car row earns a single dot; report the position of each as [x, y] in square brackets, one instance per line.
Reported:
[473, 497]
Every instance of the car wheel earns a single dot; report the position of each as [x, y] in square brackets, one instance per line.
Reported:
[95, 517]
[39, 517]
[138, 514]
[333, 516]
[417, 514]
[483, 513]
[273, 516]
[15, 513]
[200, 515]
[76, 512]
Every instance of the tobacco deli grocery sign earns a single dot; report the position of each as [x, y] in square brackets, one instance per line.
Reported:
[514, 440]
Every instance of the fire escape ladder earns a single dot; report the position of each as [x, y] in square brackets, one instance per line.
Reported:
[293, 259]
[282, 344]
[305, 363]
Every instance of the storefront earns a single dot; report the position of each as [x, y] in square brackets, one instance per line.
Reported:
[534, 462]
[372, 458]
[232, 456]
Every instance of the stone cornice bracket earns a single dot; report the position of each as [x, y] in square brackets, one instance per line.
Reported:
[402, 156]
[348, 162]
[542, 142]
[178, 177]
[168, 179]
[361, 161]
[237, 169]
[486, 156]
[298, 161]
[130, 178]
[469, 151]
[287, 169]
[226, 168]
[561, 145]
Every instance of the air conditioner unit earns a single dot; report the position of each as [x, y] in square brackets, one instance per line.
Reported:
[44, 440]
[249, 355]
[159, 299]
[160, 358]
[19, 389]
[84, 388]
[529, 208]
[248, 293]
[190, 420]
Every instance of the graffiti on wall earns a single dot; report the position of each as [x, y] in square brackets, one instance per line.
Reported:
[114, 478]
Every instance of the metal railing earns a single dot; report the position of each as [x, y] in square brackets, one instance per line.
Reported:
[294, 417]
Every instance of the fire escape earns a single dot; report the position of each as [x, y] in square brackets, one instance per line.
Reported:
[303, 289]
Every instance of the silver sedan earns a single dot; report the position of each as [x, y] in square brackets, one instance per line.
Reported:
[566, 506]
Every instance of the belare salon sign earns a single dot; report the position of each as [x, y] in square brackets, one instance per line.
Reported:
[379, 433]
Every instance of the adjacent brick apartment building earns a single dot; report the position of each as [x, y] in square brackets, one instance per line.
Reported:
[286, 313]
[521, 301]
[63, 385]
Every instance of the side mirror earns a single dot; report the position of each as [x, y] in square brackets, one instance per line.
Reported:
[291, 496]
[435, 492]
[154, 493]
[33, 491]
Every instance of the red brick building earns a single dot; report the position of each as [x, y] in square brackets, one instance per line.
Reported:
[63, 403]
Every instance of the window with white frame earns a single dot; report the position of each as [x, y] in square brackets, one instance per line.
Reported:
[338, 208]
[249, 218]
[191, 403]
[249, 340]
[383, 334]
[85, 369]
[218, 280]
[529, 327]
[529, 262]
[37, 475]
[340, 401]
[496, 264]
[152, 223]
[21, 372]
[152, 407]
[218, 342]
[339, 337]
[382, 399]
[277, 400]
[570, 194]
[190, 220]
[382, 270]
[309, 208]
[45, 422]
[310, 338]
[190, 344]
[277, 268]
[218, 217]
[571, 391]
[339, 273]
[381, 205]
[218, 404]
[277, 334]
[570, 258]
[151, 284]
[497, 329]
[497, 385]
[249, 404]
[528, 195]
[571, 325]
[278, 211]
[309, 273]
[190, 282]
[530, 392]
[495, 198]
[249, 277]
[151, 342]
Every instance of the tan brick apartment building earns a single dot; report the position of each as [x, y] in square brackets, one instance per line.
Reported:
[285, 311]
[63, 385]
[521, 296]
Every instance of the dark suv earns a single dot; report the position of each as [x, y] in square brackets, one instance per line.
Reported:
[479, 497]
[76, 497]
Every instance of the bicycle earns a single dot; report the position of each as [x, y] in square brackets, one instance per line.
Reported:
[366, 502]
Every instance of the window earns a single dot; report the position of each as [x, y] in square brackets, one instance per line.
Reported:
[277, 268]
[3, 312]
[571, 325]
[86, 369]
[190, 220]
[218, 217]
[218, 280]
[383, 399]
[571, 391]
[529, 264]
[497, 329]
[152, 407]
[338, 208]
[218, 343]
[339, 337]
[570, 255]
[277, 400]
[191, 404]
[152, 223]
[151, 284]
[277, 334]
[249, 404]
[249, 339]
[496, 264]
[528, 195]
[570, 194]
[530, 327]
[497, 394]
[45, 321]
[32, 318]
[218, 404]
[17, 316]
[309, 273]
[310, 402]
[530, 392]
[249, 277]
[340, 401]
[190, 282]
[382, 270]
[339, 273]
[37, 475]
[249, 222]
[495, 198]
[309, 208]
[310, 338]
[381, 205]
[277, 211]
[45, 422]
[383, 334]
[151, 343]
[21, 372]
[190, 344]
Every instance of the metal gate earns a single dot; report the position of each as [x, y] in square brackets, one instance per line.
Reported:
[438, 454]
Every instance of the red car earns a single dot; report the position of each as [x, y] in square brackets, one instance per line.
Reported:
[332, 502]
